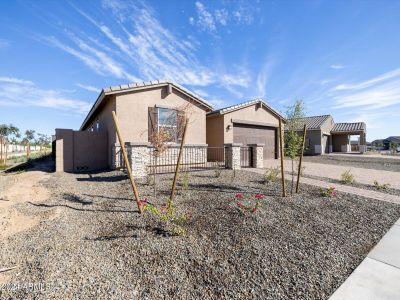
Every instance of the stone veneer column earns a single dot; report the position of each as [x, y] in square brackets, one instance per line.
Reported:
[139, 158]
[257, 155]
[232, 156]
[116, 156]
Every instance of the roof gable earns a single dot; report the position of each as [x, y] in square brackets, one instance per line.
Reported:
[312, 123]
[242, 105]
[142, 86]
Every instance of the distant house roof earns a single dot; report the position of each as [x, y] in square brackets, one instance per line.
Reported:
[312, 123]
[394, 139]
[348, 127]
[234, 107]
[119, 89]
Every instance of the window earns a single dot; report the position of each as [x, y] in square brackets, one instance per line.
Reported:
[168, 123]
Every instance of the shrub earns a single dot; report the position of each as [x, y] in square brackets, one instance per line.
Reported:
[250, 207]
[381, 186]
[347, 177]
[271, 174]
[328, 192]
[167, 214]
[217, 172]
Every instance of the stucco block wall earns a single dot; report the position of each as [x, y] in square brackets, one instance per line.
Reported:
[313, 138]
[215, 131]
[132, 112]
[80, 150]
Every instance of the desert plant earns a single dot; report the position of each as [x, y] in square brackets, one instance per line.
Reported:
[251, 206]
[217, 172]
[271, 175]
[381, 186]
[294, 141]
[347, 177]
[328, 192]
[168, 215]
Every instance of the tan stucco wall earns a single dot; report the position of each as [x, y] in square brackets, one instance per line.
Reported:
[80, 150]
[314, 137]
[215, 131]
[327, 126]
[132, 113]
[252, 113]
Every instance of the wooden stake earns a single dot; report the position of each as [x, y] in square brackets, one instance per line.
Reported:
[301, 158]
[178, 163]
[128, 167]
[281, 155]
[7, 269]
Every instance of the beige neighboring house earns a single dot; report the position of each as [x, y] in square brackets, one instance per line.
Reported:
[248, 123]
[325, 136]
[140, 108]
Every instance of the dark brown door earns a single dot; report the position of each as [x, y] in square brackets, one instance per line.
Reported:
[254, 134]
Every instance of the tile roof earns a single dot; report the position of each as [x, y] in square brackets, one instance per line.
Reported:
[234, 107]
[314, 122]
[394, 139]
[346, 127]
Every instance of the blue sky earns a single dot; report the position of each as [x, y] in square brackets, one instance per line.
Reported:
[340, 57]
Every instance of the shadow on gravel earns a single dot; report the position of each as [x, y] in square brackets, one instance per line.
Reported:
[82, 209]
[73, 198]
[126, 235]
[110, 198]
[92, 178]
[111, 237]
[215, 187]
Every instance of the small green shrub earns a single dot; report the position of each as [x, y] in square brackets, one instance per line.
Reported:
[381, 186]
[271, 175]
[328, 192]
[347, 177]
[167, 214]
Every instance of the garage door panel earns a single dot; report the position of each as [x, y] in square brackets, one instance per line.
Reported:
[254, 134]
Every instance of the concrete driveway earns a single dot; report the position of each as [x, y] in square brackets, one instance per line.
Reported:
[361, 175]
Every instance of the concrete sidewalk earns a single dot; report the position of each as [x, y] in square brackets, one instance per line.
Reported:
[378, 275]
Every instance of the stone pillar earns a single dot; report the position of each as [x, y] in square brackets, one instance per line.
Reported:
[139, 158]
[362, 143]
[116, 156]
[232, 156]
[257, 155]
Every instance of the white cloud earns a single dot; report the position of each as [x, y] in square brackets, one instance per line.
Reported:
[89, 88]
[208, 20]
[205, 18]
[19, 92]
[370, 82]
[337, 66]
[378, 92]
[263, 77]
[4, 43]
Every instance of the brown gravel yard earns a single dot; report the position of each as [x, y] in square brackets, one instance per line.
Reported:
[300, 247]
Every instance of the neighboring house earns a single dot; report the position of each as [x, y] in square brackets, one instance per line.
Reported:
[248, 123]
[391, 139]
[326, 136]
[377, 144]
[141, 109]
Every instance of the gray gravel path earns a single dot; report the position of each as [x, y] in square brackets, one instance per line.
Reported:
[300, 247]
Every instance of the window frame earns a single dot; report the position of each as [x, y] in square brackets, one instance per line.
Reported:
[159, 125]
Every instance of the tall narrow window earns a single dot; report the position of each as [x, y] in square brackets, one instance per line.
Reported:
[168, 124]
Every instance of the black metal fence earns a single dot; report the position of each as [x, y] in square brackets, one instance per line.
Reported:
[193, 158]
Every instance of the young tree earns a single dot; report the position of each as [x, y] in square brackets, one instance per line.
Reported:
[293, 141]
[29, 136]
[12, 134]
[42, 140]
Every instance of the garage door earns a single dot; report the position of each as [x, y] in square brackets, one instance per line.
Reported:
[255, 134]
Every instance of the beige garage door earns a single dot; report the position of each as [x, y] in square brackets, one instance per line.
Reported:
[254, 134]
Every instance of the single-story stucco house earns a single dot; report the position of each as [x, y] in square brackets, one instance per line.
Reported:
[141, 109]
[325, 136]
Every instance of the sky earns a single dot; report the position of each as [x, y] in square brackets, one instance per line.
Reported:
[339, 57]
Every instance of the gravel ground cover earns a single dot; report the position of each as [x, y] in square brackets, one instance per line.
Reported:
[300, 247]
[370, 187]
[358, 161]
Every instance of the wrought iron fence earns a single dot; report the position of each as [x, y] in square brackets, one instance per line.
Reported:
[193, 158]
[246, 157]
